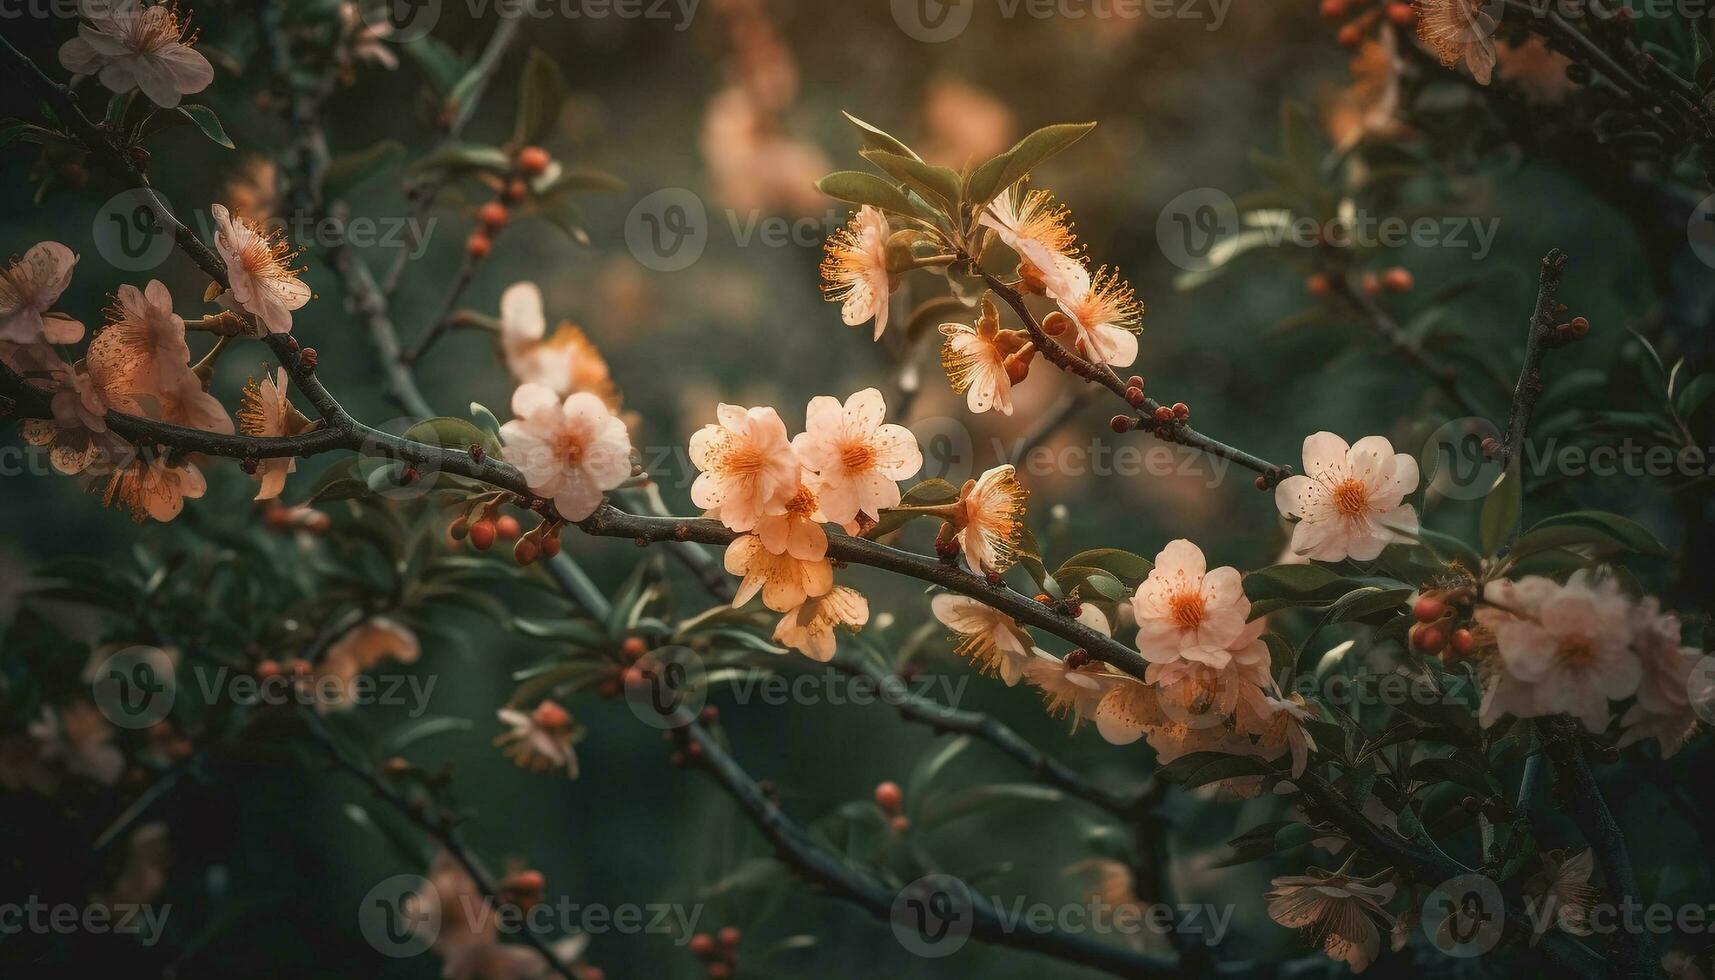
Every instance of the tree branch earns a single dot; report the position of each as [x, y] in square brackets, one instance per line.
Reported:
[1383, 325]
[1536, 345]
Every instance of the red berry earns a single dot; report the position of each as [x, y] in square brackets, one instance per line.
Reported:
[526, 551]
[550, 544]
[1135, 381]
[482, 534]
[507, 527]
[268, 668]
[1318, 285]
[634, 647]
[1333, 9]
[1463, 642]
[1164, 414]
[1398, 280]
[478, 246]
[1120, 423]
[526, 881]
[702, 944]
[888, 796]
[1401, 14]
[1429, 609]
[1134, 396]
[719, 971]
[493, 215]
[1181, 411]
[1371, 284]
[516, 191]
[900, 824]
[730, 936]
[1428, 639]
[533, 160]
[1350, 36]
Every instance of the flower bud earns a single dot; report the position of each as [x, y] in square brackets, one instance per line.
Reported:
[1056, 323]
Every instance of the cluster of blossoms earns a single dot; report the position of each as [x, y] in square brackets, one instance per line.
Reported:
[129, 45]
[1096, 315]
[138, 363]
[778, 492]
[1575, 648]
[1207, 689]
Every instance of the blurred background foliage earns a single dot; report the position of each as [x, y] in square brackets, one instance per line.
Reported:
[741, 107]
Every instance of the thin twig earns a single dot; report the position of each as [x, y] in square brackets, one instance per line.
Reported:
[1536, 345]
[1383, 325]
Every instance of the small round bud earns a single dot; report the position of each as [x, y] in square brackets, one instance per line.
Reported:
[1261, 482]
[719, 971]
[1164, 414]
[550, 543]
[308, 358]
[1428, 639]
[900, 824]
[1134, 396]
[395, 766]
[1056, 323]
[730, 937]
[1401, 14]
[410, 476]
[1181, 411]
[482, 534]
[533, 160]
[1372, 284]
[267, 669]
[1490, 446]
[1043, 598]
[702, 944]
[1077, 658]
[633, 647]
[458, 529]
[477, 452]
[1579, 327]
[1332, 9]
[1350, 36]
[1318, 285]
[1463, 642]
[477, 246]
[248, 466]
[1398, 280]
[492, 215]
[507, 527]
[889, 796]
[993, 578]
[1428, 609]
[709, 715]
[1120, 423]
[526, 551]
[1135, 381]
[516, 191]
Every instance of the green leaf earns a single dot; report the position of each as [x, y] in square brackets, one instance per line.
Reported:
[930, 493]
[924, 774]
[876, 139]
[990, 179]
[461, 158]
[1367, 602]
[448, 432]
[857, 187]
[939, 184]
[1498, 523]
[1446, 547]
[542, 94]
[208, 122]
[417, 729]
[579, 632]
[350, 170]
[582, 180]
[940, 810]
[565, 214]
[440, 64]
[1085, 580]
[485, 419]
[1123, 565]
[1691, 398]
[1628, 532]
[1202, 768]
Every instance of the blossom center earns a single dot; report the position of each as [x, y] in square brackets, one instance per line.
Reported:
[1186, 609]
[857, 456]
[1350, 497]
[570, 449]
[802, 504]
[1576, 652]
